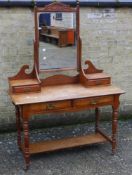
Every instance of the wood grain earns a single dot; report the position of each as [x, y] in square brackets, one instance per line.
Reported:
[64, 92]
[23, 82]
[53, 145]
[97, 76]
[59, 80]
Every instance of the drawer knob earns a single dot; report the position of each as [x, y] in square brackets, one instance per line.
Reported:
[50, 106]
[93, 102]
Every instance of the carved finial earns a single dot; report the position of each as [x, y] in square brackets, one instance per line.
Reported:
[77, 2]
[34, 3]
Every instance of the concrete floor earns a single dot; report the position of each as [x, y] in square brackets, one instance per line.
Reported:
[89, 160]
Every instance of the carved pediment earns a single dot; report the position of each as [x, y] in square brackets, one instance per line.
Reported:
[57, 6]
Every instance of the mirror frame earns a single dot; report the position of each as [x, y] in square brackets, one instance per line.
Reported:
[56, 7]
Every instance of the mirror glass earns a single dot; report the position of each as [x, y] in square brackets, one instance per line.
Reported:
[57, 40]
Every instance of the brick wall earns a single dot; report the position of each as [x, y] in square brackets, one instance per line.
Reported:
[107, 41]
[67, 19]
[16, 35]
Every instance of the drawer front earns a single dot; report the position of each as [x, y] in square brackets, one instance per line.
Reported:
[93, 101]
[99, 82]
[26, 89]
[51, 106]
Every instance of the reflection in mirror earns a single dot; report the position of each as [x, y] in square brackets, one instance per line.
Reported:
[57, 40]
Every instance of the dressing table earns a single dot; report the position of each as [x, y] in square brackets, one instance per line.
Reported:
[90, 88]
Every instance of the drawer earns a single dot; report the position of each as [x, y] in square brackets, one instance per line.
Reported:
[25, 89]
[50, 106]
[93, 101]
[99, 82]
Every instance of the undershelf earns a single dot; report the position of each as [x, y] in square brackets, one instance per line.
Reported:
[53, 145]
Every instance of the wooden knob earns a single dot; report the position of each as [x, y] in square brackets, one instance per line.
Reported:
[93, 102]
[50, 106]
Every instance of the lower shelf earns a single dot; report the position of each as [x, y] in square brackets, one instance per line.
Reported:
[53, 145]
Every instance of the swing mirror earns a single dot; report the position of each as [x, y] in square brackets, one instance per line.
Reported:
[57, 37]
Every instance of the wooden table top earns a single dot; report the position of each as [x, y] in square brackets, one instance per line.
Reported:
[63, 92]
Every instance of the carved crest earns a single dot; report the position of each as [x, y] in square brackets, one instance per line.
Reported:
[57, 6]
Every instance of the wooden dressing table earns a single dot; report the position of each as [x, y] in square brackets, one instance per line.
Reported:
[90, 89]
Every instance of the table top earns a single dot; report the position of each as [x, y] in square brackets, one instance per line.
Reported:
[63, 92]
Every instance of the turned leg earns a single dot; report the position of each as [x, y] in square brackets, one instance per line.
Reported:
[26, 142]
[115, 122]
[18, 125]
[114, 129]
[97, 118]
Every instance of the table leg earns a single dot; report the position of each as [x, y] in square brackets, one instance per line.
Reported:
[97, 118]
[114, 124]
[18, 125]
[26, 142]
